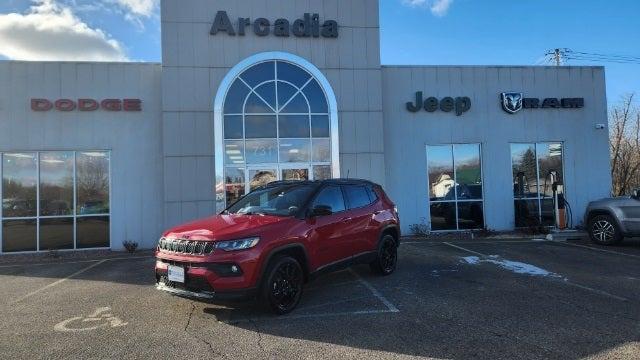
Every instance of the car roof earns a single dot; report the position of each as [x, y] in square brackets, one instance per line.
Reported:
[320, 182]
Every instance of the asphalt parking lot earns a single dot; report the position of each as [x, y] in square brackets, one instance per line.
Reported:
[466, 299]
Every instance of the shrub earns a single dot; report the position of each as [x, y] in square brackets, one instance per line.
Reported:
[131, 246]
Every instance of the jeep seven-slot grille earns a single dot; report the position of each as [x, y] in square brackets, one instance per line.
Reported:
[187, 247]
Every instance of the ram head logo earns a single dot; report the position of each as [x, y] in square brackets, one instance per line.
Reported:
[512, 102]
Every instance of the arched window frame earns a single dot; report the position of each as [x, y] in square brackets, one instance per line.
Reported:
[221, 94]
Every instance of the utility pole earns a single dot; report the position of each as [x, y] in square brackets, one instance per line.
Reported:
[557, 56]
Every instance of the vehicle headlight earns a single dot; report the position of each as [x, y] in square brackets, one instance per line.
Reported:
[240, 244]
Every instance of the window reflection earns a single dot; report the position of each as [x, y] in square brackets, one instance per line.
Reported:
[271, 113]
[56, 183]
[259, 73]
[293, 74]
[316, 97]
[550, 163]
[321, 150]
[295, 174]
[441, 182]
[455, 187]
[470, 215]
[258, 127]
[233, 128]
[261, 151]
[294, 126]
[261, 178]
[19, 235]
[320, 126]
[235, 184]
[525, 176]
[536, 169]
[56, 234]
[322, 172]
[294, 150]
[234, 152]
[47, 179]
[93, 232]
[19, 181]
[468, 171]
[92, 177]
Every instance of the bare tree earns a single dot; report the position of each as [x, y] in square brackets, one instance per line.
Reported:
[624, 120]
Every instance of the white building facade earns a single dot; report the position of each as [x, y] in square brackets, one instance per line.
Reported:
[95, 154]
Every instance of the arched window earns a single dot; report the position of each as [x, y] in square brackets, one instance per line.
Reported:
[277, 123]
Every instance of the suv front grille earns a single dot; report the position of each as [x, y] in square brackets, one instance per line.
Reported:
[186, 247]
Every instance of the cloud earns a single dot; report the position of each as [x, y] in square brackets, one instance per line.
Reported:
[145, 8]
[437, 7]
[49, 31]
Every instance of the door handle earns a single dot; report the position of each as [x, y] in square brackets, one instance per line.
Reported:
[346, 220]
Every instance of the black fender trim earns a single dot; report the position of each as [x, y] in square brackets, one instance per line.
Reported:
[394, 227]
[276, 251]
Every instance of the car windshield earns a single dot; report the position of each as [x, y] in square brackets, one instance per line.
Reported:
[284, 200]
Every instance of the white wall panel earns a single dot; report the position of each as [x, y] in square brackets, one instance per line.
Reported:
[587, 175]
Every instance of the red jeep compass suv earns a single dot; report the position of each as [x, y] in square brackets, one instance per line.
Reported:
[274, 239]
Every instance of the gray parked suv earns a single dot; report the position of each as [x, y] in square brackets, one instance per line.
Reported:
[611, 220]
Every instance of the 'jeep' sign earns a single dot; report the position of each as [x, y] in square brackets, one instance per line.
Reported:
[308, 26]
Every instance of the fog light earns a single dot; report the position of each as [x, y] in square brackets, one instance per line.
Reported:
[234, 269]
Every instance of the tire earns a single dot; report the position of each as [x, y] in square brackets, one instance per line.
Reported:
[281, 289]
[603, 230]
[387, 257]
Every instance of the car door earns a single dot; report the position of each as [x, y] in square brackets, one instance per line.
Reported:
[360, 220]
[329, 238]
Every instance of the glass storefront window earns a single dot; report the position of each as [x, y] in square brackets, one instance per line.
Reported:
[455, 187]
[46, 195]
[276, 126]
[19, 185]
[536, 167]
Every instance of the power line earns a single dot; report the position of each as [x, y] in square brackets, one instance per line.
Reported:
[561, 56]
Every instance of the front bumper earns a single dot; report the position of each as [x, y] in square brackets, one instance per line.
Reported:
[207, 280]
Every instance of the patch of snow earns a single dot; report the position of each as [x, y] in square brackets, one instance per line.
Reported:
[513, 266]
[472, 260]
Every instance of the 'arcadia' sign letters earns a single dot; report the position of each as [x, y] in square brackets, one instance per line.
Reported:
[308, 26]
[460, 104]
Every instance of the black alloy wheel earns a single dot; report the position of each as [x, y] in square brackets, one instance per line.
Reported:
[283, 287]
[387, 258]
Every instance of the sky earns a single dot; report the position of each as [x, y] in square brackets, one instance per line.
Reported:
[413, 32]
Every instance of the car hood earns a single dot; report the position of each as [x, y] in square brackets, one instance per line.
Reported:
[224, 227]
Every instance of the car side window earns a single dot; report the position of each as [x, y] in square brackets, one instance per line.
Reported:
[331, 196]
[357, 195]
[372, 194]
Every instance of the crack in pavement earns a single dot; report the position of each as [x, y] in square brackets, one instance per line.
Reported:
[211, 349]
[260, 343]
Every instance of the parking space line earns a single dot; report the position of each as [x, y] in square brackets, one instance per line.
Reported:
[465, 249]
[76, 261]
[58, 282]
[307, 316]
[596, 249]
[563, 281]
[603, 293]
[375, 292]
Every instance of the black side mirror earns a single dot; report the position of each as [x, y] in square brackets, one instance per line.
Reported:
[321, 210]
[636, 194]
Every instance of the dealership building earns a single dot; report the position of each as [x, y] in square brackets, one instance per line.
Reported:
[248, 92]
